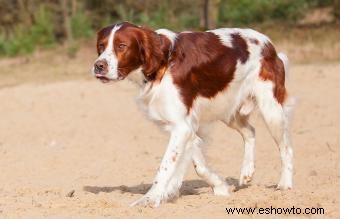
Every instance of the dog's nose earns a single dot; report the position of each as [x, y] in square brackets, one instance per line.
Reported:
[100, 67]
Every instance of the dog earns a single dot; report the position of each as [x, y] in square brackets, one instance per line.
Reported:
[189, 80]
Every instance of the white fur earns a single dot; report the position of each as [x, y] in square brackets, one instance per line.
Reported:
[247, 34]
[137, 77]
[169, 34]
[285, 61]
[162, 103]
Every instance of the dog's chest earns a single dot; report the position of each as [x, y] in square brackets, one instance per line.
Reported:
[161, 102]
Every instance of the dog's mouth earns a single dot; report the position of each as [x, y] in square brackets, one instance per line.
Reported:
[105, 79]
[102, 78]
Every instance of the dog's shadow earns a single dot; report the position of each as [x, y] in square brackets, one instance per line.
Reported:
[189, 187]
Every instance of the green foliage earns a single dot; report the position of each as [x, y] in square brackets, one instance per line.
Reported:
[40, 23]
[188, 21]
[125, 14]
[18, 43]
[24, 40]
[81, 25]
[156, 19]
[72, 50]
[250, 11]
[161, 15]
[41, 32]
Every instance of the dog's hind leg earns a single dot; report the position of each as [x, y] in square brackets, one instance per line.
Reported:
[241, 124]
[276, 117]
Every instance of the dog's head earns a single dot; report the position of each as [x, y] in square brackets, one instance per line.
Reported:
[123, 48]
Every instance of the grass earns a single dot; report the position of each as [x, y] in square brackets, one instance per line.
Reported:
[48, 29]
[24, 40]
[250, 11]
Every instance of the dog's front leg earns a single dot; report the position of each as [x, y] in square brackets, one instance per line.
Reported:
[171, 171]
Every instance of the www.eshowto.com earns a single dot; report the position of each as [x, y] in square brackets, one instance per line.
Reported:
[276, 211]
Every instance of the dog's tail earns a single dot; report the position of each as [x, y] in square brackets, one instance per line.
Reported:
[285, 61]
[290, 102]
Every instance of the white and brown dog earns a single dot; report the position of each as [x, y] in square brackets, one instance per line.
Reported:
[191, 79]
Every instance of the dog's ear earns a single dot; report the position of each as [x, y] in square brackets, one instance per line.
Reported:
[151, 52]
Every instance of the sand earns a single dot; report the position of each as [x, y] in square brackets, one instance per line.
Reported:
[80, 149]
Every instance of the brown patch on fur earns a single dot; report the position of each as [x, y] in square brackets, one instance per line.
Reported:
[273, 69]
[203, 66]
[165, 47]
[128, 60]
[174, 158]
[240, 47]
[151, 51]
[160, 73]
[102, 38]
[254, 41]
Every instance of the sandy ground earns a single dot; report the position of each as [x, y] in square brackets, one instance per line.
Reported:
[89, 139]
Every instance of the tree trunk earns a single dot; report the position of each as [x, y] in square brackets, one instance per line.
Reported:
[24, 14]
[210, 13]
[67, 21]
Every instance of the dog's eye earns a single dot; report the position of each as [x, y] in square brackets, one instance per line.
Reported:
[122, 46]
[101, 47]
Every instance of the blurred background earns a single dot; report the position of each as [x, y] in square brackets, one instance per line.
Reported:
[58, 31]
[30, 24]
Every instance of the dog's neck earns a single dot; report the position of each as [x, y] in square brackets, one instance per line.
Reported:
[137, 77]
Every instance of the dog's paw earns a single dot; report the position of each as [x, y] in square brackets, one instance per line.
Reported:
[286, 182]
[153, 198]
[247, 173]
[285, 185]
[147, 201]
[222, 190]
